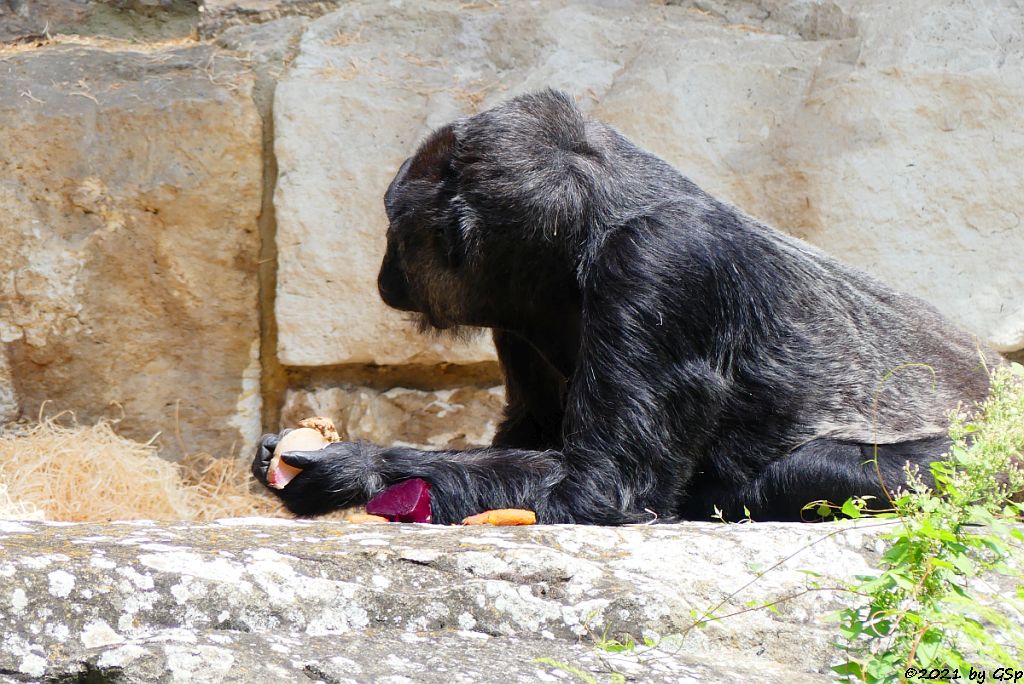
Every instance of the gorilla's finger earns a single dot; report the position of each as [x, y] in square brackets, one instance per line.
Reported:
[303, 459]
[260, 466]
[267, 444]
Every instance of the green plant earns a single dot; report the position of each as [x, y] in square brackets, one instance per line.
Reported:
[932, 608]
[931, 612]
[627, 645]
[577, 672]
[720, 516]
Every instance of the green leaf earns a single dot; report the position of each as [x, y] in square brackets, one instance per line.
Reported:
[851, 509]
[929, 648]
[964, 564]
[851, 632]
[850, 669]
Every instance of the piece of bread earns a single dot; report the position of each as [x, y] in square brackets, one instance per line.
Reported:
[503, 516]
[312, 434]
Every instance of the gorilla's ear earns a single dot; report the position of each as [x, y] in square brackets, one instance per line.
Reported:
[461, 232]
[433, 160]
[419, 174]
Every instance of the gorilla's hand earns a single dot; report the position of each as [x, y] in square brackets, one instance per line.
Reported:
[339, 475]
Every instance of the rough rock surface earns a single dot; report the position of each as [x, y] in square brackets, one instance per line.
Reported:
[220, 15]
[451, 418]
[27, 20]
[331, 222]
[275, 600]
[885, 133]
[128, 258]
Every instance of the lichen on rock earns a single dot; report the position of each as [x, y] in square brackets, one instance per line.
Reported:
[259, 599]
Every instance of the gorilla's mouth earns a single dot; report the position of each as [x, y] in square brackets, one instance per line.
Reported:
[445, 330]
[427, 323]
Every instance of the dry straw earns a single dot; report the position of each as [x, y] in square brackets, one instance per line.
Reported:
[60, 470]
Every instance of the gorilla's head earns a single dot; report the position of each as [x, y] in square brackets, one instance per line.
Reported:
[492, 211]
[425, 267]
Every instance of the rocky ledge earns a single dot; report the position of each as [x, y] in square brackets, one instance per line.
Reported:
[254, 600]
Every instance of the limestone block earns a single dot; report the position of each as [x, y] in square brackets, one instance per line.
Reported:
[259, 600]
[885, 133]
[453, 418]
[220, 15]
[130, 185]
[1010, 337]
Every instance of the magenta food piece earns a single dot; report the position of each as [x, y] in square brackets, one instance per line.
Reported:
[407, 501]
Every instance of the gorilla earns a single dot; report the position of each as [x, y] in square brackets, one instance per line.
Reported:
[664, 354]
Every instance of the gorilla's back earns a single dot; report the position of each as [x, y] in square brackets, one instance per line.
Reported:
[889, 366]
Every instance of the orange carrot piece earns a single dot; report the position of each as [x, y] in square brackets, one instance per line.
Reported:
[503, 516]
[365, 518]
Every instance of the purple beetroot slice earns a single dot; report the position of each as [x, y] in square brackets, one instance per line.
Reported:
[407, 501]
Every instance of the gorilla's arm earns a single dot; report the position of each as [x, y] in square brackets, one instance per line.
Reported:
[534, 393]
[463, 482]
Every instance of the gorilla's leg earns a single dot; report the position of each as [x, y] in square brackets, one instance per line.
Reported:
[823, 469]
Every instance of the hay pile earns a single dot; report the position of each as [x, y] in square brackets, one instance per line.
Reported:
[16, 510]
[59, 470]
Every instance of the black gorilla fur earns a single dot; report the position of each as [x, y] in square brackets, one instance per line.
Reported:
[664, 353]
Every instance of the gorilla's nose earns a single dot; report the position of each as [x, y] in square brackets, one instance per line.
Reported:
[393, 287]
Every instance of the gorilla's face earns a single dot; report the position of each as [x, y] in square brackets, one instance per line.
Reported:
[486, 219]
[392, 282]
[425, 269]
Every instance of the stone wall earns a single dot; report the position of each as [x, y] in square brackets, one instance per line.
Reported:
[190, 196]
[129, 192]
